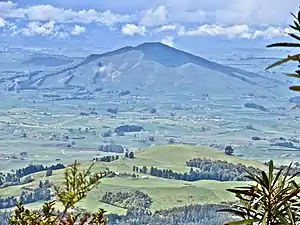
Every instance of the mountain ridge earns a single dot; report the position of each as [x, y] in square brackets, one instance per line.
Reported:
[150, 58]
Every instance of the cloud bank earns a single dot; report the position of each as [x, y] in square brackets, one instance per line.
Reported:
[231, 18]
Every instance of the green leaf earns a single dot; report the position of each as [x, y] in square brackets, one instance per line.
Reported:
[243, 222]
[285, 60]
[293, 27]
[264, 220]
[284, 44]
[296, 75]
[294, 88]
[271, 169]
[294, 36]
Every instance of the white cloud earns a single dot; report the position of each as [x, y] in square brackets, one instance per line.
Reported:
[228, 18]
[2, 22]
[271, 32]
[168, 40]
[132, 29]
[169, 27]
[229, 12]
[60, 15]
[216, 30]
[77, 30]
[50, 29]
[257, 12]
[38, 28]
[240, 31]
[154, 17]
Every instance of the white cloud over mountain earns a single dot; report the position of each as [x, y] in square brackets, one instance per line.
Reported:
[132, 29]
[230, 18]
[168, 40]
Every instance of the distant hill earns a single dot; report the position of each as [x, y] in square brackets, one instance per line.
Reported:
[48, 61]
[148, 67]
[164, 193]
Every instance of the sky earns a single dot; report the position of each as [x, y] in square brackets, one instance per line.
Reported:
[110, 24]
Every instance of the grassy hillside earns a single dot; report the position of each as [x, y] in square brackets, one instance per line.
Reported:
[164, 193]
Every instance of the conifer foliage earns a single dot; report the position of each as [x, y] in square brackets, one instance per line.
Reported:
[75, 187]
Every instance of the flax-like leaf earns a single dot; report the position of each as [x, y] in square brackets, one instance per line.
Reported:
[284, 44]
[294, 36]
[285, 60]
[296, 75]
[294, 88]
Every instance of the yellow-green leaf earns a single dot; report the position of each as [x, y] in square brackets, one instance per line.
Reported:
[243, 222]
[294, 75]
[295, 88]
[289, 58]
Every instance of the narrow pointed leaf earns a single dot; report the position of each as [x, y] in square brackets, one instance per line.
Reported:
[294, 36]
[296, 75]
[294, 88]
[284, 44]
[242, 222]
[285, 60]
[293, 27]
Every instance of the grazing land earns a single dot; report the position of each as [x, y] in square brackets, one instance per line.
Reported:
[159, 118]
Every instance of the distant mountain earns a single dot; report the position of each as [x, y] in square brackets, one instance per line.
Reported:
[149, 67]
[47, 61]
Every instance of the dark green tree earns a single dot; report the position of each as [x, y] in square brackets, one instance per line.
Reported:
[131, 155]
[49, 172]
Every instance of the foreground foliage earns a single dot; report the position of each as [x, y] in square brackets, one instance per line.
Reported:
[273, 199]
[296, 58]
[75, 187]
[187, 215]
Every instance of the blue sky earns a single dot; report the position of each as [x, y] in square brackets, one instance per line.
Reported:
[109, 24]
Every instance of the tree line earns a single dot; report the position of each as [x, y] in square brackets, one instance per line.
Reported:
[41, 192]
[37, 168]
[185, 215]
[111, 158]
[219, 170]
[127, 200]
[15, 177]
[202, 169]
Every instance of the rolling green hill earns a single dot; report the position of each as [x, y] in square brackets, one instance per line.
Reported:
[164, 193]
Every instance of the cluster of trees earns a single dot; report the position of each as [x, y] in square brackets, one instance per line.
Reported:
[127, 200]
[128, 128]
[107, 158]
[129, 155]
[37, 168]
[128, 175]
[14, 178]
[111, 158]
[219, 170]
[139, 170]
[206, 170]
[10, 179]
[191, 215]
[111, 148]
[42, 192]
